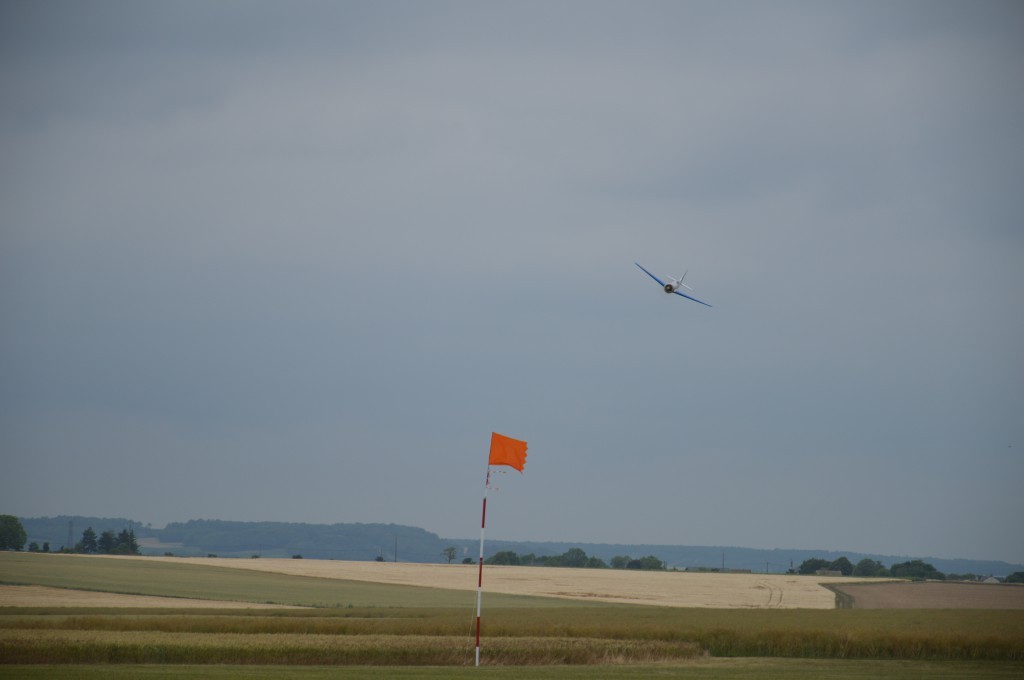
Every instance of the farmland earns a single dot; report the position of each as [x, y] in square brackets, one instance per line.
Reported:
[42, 596]
[345, 623]
[659, 588]
[670, 589]
[933, 595]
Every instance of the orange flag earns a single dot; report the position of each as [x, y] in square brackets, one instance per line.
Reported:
[507, 451]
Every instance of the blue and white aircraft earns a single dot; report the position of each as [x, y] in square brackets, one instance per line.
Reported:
[673, 285]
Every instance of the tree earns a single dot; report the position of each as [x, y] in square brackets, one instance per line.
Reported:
[649, 563]
[126, 543]
[961, 577]
[503, 557]
[449, 553]
[869, 567]
[812, 565]
[107, 542]
[12, 534]
[574, 557]
[620, 561]
[1015, 577]
[33, 547]
[917, 570]
[88, 544]
[467, 560]
[842, 565]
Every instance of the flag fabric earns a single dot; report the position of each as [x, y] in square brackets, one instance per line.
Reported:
[504, 451]
[507, 451]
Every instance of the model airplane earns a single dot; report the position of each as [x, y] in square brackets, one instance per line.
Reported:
[673, 285]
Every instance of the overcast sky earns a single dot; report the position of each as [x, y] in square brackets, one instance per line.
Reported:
[296, 261]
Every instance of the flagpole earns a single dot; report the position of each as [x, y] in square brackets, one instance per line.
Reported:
[480, 574]
[504, 451]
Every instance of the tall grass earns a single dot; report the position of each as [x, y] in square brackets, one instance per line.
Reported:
[848, 645]
[92, 647]
[574, 636]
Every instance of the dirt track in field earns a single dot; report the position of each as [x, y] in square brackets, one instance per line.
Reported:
[934, 595]
[670, 589]
[40, 596]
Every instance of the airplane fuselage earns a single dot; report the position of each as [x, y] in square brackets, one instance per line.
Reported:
[673, 285]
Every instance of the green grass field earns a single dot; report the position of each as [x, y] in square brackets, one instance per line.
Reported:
[703, 669]
[374, 630]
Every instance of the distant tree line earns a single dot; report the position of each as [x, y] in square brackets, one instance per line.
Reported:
[364, 541]
[107, 543]
[914, 569]
[649, 563]
[13, 537]
[574, 557]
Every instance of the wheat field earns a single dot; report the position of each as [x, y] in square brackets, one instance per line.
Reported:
[669, 589]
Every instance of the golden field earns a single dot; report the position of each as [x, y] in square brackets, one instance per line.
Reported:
[669, 589]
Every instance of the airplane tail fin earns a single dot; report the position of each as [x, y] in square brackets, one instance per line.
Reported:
[681, 281]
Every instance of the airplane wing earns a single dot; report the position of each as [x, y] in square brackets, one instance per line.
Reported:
[691, 298]
[653, 276]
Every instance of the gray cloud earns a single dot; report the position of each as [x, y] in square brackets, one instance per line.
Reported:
[270, 264]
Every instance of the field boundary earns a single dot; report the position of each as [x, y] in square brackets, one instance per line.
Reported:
[843, 600]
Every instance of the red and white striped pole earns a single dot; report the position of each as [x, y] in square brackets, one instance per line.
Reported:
[480, 575]
[504, 451]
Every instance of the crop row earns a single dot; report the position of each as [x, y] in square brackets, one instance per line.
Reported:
[612, 622]
[104, 647]
[442, 636]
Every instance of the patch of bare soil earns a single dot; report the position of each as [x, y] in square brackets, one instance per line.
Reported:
[933, 595]
[40, 596]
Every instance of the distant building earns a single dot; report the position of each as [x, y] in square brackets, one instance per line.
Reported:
[992, 579]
